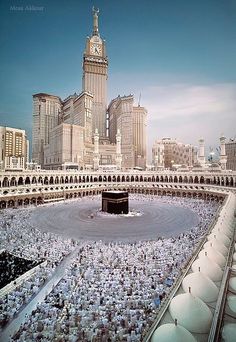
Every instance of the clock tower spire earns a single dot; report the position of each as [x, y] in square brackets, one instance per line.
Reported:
[95, 22]
[95, 65]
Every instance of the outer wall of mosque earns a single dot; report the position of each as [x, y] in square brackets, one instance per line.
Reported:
[36, 187]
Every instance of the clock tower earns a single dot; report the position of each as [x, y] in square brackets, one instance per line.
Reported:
[95, 64]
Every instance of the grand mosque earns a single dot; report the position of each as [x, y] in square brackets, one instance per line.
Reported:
[158, 267]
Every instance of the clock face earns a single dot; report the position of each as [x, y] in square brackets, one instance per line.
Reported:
[95, 49]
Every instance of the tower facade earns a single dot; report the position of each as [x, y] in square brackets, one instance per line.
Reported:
[13, 149]
[46, 113]
[139, 135]
[95, 65]
[96, 150]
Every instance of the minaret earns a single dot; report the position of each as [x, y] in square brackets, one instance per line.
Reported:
[96, 151]
[223, 157]
[95, 66]
[118, 150]
[201, 152]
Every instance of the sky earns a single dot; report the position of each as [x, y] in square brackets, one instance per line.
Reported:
[180, 55]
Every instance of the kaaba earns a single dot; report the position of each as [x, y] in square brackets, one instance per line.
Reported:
[115, 202]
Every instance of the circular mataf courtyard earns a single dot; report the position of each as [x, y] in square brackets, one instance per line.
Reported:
[81, 219]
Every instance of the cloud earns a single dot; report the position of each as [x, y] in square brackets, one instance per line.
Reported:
[186, 100]
[188, 112]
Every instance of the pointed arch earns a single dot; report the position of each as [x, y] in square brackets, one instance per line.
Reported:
[27, 180]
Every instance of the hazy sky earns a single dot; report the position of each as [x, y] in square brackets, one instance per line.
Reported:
[180, 54]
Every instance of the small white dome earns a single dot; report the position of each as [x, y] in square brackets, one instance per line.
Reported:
[232, 284]
[214, 255]
[201, 286]
[232, 302]
[219, 236]
[171, 332]
[229, 332]
[208, 267]
[191, 312]
[219, 246]
[223, 229]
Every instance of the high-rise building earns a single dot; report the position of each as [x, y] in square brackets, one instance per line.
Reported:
[14, 149]
[139, 135]
[121, 117]
[230, 151]
[66, 146]
[46, 115]
[54, 120]
[158, 155]
[67, 115]
[95, 65]
[131, 121]
[167, 152]
[83, 114]
[68, 139]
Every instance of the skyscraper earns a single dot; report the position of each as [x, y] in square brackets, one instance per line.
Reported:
[131, 121]
[14, 149]
[64, 130]
[95, 65]
[46, 113]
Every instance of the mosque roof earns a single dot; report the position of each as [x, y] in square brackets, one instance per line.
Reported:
[234, 257]
[231, 299]
[208, 267]
[229, 332]
[223, 229]
[214, 255]
[232, 284]
[201, 286]
[218, 245]
[220, 236]
[171, 332]
[191, 312]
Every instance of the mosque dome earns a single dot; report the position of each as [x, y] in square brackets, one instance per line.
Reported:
[222, 229]
[214, 255]
[231, 299]
[229, 332]
[218, 245]
[219, 236]
[208, 267]
[171, 332]
[191, 312]
[232, 284]
[201, 286]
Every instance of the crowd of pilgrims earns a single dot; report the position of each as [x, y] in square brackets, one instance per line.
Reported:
[12, 267]
[111, 291]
